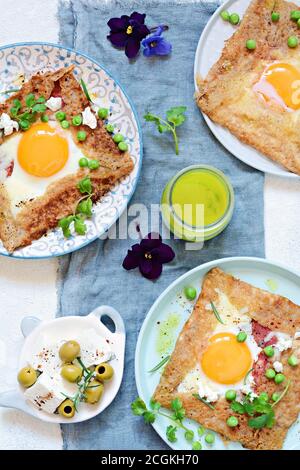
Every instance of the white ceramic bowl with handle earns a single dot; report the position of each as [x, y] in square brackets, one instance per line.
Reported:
[39, 334]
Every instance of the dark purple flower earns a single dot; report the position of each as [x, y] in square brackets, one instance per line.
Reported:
[156, 44]
[149, 255]
[128, 32]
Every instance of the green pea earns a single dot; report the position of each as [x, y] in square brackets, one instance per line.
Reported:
[123, 146]
[251, 44]
[60, 116]
[117, 138]
[93, 164]
[230, 395]
[241, 337]
[190, 292]
[270, 374]
[232, 421]
[275, 16]
[225, 15]
[81, 136]
[24, 124]
[279, 378]
[44, 118]
[292, 361]
[264, 396]
[196, 445]
[77, 120]
[275, 396]
[295, 15]
[209, 438]
[102, 113]
[110, 128]
[83, 162]
[234, 18]
[65, 124]
[201, 431]
[269, 351]
[293, 42]
[189, 435]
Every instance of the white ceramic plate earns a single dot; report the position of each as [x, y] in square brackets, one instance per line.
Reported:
[40, 334]
[29, 58]
[208, 52]
[257, 272]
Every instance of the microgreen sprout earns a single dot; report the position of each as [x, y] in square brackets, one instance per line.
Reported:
[139, 408]
[174, 118]
[28, 115]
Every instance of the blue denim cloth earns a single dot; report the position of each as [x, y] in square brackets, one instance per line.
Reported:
[93, 275]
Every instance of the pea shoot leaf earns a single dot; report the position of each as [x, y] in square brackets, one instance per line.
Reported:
[138, 407]
[149, 417]
[179, 412]
[64, 224]
[80, 226]
[262, 421]
[85, 185]
[237, 407]
[39, 108]
[154, 404]
[30, 100]
[85, 207]
[171, 433]
[174, 118]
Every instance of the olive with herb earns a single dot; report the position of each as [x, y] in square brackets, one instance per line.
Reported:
[66, 409]
[104, 371]
[69, 351]
[27, 377]
[71, 373]
[94, 392]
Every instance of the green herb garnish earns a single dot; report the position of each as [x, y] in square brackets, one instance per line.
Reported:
[139, 408]
[207, 403]
[216, 313]
[160, 364]
[83, 210]
[174, 118]
[29, 115]
[12, 90]
[83, 385]
[247, 375]
[282, 394]
[84, 87]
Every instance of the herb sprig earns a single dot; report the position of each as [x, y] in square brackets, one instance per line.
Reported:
[160, 364]
[27, 116]
[150, 414]
[260, 411]
[85, 90]
[207, 403]
[83, 385]
[216, 313]
[175, 117]
[82, 212]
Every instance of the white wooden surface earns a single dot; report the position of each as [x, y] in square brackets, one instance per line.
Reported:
[29, 287]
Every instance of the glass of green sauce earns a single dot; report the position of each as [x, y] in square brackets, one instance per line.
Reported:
[197, 203]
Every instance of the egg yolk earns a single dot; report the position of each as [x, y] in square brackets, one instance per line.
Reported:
[225, 360]
[42, 151]
[280, 83]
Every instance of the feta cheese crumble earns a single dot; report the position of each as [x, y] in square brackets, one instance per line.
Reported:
[54, 103]
[7, 124]
[89, 118]
[277, 366]
[284, 341]
[45, 394]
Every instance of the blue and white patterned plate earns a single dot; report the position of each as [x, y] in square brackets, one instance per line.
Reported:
[29, 58]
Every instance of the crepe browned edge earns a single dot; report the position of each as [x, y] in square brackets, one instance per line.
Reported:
[270, 310]
[268, 128]
[61, 197]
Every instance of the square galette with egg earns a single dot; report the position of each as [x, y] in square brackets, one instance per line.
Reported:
[57, 155]
[235, 363]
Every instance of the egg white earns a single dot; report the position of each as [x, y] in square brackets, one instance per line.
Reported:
[21, 186]
[196, 381]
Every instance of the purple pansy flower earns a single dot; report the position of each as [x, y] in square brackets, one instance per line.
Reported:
[156, 44]
[149, 255]
[128, 32]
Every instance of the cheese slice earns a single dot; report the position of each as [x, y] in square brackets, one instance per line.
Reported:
[45, 394]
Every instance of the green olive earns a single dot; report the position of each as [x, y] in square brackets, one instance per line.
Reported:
[66, 409]
[71, 373]
[104, 371]
[94, 392]
[69, 351]
[27, 377]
